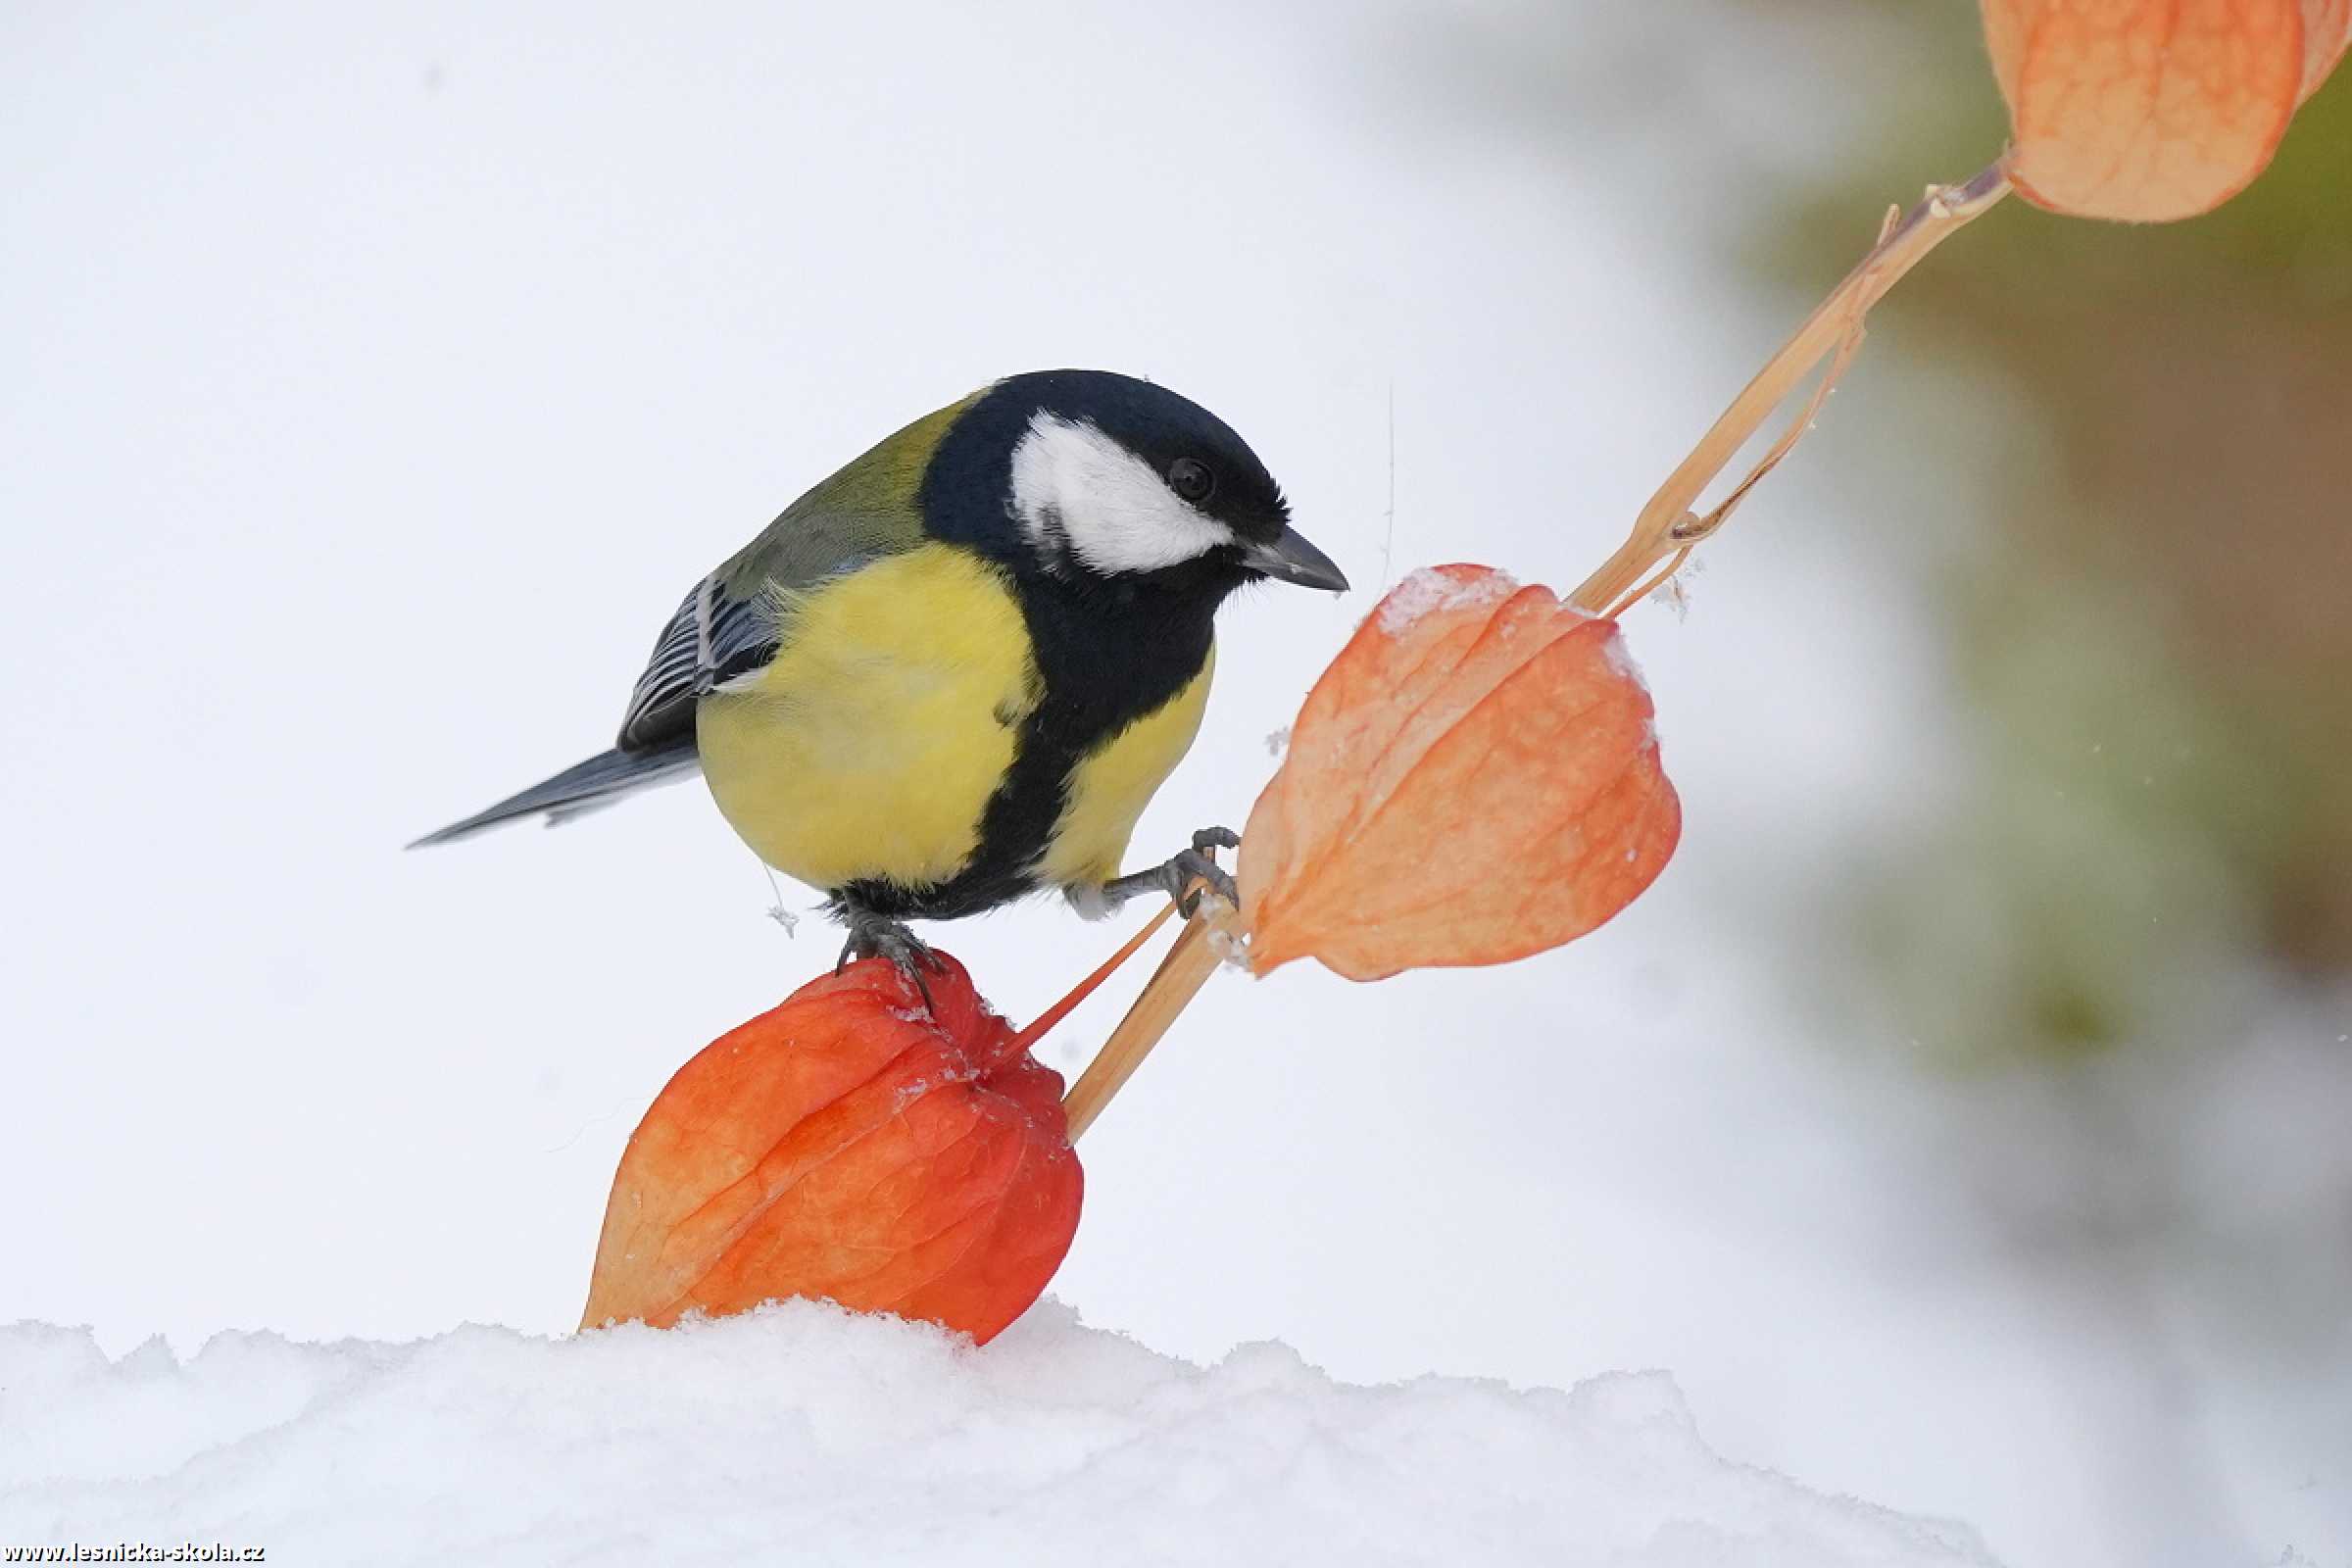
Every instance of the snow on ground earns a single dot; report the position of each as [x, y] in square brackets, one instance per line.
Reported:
[803, 1433]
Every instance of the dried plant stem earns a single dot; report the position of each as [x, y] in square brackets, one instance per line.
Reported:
[1667, 526]
[1086, 986]
[1178, 979]
[1666, 531]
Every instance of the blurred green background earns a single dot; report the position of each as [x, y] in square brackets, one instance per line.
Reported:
[2152, 630]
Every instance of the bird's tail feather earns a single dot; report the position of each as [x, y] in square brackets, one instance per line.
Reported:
[582, 788]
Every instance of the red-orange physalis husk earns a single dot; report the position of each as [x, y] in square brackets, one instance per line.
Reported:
[852, 1144]
[1474, 779]
[2148, 110]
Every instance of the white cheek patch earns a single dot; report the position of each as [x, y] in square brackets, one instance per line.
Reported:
[1075, 487]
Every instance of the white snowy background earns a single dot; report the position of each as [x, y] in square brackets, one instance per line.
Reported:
[378, 378]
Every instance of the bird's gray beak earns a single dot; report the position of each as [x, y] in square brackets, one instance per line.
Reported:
[1289, 558]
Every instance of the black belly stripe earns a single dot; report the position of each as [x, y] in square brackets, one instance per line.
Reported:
[1108, 655]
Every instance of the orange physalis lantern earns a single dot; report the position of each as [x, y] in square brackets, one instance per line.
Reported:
[2150, 110]
[850, 1143]
[1474, 779]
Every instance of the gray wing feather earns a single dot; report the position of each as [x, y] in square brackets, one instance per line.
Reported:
[731, 623]
[713, 638]
[580, 789]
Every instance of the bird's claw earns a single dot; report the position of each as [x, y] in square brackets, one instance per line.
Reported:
[1177, 875]
[1193, 873]
[1209, 840]
[872, 936]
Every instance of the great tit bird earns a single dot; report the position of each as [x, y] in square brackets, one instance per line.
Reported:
[955, 672]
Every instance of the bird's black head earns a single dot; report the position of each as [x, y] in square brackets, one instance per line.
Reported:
[1101, 480]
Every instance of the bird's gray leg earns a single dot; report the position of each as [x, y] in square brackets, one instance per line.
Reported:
[1176, 875]
[877, 936]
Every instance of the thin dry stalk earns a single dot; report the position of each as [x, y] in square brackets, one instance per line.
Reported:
[1086, 986]
[1667, 526]
[1171, 988]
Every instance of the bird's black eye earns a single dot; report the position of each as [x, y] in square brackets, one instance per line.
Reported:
[1191, 479]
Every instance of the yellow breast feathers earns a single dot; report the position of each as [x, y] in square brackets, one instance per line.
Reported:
[870, 746]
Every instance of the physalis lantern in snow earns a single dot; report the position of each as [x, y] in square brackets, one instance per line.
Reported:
[850, 1143]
